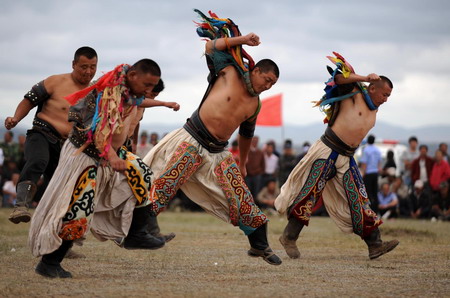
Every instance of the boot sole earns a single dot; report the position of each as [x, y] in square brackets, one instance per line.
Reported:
[384, 252]
[19, 219]
[147, 248]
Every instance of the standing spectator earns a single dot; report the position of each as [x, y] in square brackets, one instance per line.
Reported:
[154, 139]
[266, 197]
[421, 167]
[390, 162]
[235, 151]
[10, 148]
[440, 171]
[305, 149]
[9, 191]
[370, 167]
[444, 147]
[271, 162]
[387, 202]
[255, 167]
[287, 162]
[419, 201]
[441, 202]
[144, 146]
[407, 158]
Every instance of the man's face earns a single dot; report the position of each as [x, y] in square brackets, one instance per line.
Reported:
[413, 144]
[262, 81]
[141, 83]
[379, 93]
[84, 69]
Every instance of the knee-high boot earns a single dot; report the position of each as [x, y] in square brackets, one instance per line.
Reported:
[50, 264]
[154, 230]
[260, 246]
[289, 237]
[138, 236]
[25, 193]
[376, 246]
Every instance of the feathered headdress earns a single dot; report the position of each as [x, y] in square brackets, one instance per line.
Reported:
[214, 27]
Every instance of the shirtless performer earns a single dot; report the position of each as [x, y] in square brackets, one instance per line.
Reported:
[84, 178]
[194, 158]
[329, 167]
[50, 126]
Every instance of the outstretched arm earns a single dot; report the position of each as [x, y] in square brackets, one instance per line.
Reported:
[22, 110]
[222, 44]
[148, 103]
[353, 78]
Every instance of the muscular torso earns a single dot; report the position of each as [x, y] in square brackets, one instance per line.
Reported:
[354, 120]
[55, 110]
[227, 105]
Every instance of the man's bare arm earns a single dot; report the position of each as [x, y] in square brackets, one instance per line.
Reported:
[22, 110]
[148, 103]
[353, 78]
[222, 44]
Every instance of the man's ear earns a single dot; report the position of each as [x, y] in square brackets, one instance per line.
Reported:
[131, 75]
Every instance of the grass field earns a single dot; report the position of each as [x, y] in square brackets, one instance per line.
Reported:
[208, 259]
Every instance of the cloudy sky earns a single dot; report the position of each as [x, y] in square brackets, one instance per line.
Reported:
[406, 40]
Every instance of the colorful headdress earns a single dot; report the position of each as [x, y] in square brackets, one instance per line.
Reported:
[109, 111]
[214, 27]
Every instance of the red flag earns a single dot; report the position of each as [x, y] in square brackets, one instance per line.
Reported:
[270, 114]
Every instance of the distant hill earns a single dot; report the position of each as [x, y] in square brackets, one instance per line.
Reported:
[301, 133]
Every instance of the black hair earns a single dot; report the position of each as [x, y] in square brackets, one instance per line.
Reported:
[87, 52]
[147, 66]
[159, 87]
[267, 65]
[387, 81]
[413, 138]
[371, 139]
[423, 146]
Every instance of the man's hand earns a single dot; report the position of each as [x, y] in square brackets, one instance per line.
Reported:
[252, 39]
[116, 163]
[10, 122]
[372, 77]
[173, 105]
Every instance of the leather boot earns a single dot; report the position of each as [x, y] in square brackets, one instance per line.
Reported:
[154, 230]
[260, 246]
[376, 246]
[50, 264]
[138, 236]
[25, 193]
[289, 237]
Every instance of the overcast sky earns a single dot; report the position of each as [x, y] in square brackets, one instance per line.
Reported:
[406, 40]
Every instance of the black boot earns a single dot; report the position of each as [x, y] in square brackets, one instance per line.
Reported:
[260, 246]
[138, 236]
[50, 264]
[25, 193]
[376, 246]
[155, 231]
[289, 237]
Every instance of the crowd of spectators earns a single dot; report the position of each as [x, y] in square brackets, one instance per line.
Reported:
[416, 187]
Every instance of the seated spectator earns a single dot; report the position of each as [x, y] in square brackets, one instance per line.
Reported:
[387, 202]
[9, 191]
[441, 202]
[266, 197]
[419, 201]
[440, 172]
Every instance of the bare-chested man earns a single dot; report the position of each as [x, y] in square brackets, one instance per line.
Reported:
[50, 126]
[329, 167]
[85, 177]
[193, 157]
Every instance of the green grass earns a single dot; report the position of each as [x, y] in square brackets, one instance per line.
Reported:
[208, 259]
